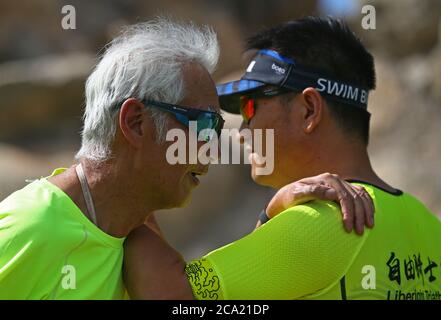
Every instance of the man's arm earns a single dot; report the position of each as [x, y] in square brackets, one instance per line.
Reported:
[297, 253]
[154, 270]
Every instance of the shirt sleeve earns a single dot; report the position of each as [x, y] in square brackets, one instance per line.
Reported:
[299, 252]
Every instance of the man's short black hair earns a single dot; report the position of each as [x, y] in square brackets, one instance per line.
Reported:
[326, 45]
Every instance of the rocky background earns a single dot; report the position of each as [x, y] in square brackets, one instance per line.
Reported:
[43, 69]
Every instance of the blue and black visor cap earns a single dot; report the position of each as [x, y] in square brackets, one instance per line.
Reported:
[270, 68]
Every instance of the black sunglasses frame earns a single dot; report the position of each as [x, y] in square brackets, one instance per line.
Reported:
[191, 114]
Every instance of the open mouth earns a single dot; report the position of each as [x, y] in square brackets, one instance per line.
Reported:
[195, 174]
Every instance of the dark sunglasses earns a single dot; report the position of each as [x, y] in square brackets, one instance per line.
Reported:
[248, 101]
[205, 119]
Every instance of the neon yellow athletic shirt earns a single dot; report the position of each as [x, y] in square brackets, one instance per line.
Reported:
[50, 250]
[304, 253]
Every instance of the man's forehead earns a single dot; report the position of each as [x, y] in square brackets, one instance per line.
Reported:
[203, 104]
[200, 89]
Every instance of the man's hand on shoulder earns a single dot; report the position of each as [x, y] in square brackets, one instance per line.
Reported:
[356, 205]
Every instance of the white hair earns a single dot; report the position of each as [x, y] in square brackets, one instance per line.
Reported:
[144, 62]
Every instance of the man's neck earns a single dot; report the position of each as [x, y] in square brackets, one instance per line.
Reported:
[350, 162]
[117, 212]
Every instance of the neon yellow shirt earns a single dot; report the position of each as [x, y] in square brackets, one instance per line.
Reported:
[304, 253]
[50, 250]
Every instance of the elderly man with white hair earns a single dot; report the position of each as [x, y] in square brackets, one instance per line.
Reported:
[61, 237]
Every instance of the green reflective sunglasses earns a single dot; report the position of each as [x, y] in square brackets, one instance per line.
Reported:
[210, 120]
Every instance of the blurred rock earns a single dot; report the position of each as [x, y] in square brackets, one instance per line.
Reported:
[19, 166]
[405, 130]
[44, 96]
[434, 71]
[404, 27]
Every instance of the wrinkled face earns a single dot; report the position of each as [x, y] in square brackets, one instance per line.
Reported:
[275, 113]
[172, 183]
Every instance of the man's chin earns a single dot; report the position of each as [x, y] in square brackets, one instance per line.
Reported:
[177, 199]
[185, 199]
[185, 202]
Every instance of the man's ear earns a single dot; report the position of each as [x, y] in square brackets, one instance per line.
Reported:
[130, 121]
[313, 103]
